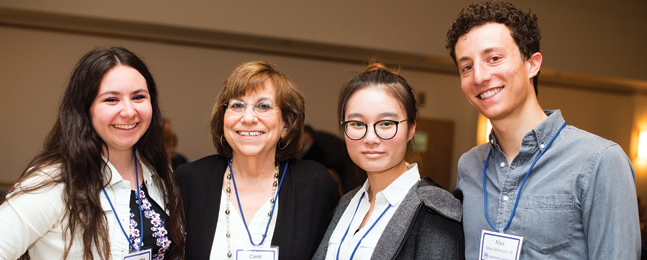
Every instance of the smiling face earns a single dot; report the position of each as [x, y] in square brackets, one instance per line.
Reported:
[253, 133]
[371, 153]
[122, 111]
[494, 77]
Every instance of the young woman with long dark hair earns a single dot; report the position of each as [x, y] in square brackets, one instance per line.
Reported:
[102, 187]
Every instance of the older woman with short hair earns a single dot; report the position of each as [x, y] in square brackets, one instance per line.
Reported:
[252, 195]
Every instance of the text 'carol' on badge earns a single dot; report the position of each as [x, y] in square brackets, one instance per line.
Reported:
[258, 253]
[499, 246]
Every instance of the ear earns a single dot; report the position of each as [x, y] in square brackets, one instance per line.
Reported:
[284, 131]
[412, 131]
[534, 64]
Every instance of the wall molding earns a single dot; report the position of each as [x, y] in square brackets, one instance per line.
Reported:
[186, 36]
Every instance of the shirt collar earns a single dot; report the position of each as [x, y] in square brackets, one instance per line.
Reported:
[116, 177]
[548, 128]
[544, 131]
[395, 192]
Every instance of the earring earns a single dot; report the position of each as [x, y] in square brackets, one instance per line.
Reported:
[286, 145]
[221, 142]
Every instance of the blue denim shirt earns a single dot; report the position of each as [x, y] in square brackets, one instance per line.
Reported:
[579, 201]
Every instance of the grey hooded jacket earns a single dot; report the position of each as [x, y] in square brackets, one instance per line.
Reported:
[427, 225]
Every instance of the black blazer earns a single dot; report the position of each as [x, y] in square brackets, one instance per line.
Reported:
[307, 198]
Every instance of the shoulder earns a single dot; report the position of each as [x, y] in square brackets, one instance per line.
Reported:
[310, 174]
[201, 166]
[477, 153]
[48, 193]
[345, 200]
[299, 164]
[439, 200]
[574, 134]
[45, 176]
[471, 160]
[589, 146]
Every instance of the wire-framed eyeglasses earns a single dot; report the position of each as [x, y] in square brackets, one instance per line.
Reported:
[384, 129]
[240, 107]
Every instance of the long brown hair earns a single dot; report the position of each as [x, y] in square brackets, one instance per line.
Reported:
[75, 148]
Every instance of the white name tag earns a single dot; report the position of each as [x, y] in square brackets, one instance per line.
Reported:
[139, 255]
[499, 246]
[258, 254]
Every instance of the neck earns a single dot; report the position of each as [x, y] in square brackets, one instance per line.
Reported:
[253, 168]
[379, 180]
[124, 162]
[511, 130]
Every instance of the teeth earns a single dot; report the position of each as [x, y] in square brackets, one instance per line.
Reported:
[490, 93]
[250, 133]
[125, 127]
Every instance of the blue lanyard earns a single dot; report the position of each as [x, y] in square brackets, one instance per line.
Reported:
[273, 204]
[141, 218]
[514, 209]
[351, 222]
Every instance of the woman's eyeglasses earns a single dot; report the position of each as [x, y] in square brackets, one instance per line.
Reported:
[384, 129]
[240, 107]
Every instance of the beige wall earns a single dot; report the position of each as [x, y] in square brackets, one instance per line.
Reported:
[593, 36]
[36, 63]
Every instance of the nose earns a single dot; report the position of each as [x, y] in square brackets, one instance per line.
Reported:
[481, 74]
[371, 137]
[249, 115]
[128, 111]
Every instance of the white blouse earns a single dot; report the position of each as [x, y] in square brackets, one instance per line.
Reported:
[239, 235]
[35, 221]
[391, 195]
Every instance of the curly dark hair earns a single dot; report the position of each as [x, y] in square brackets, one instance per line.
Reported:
[523, 26]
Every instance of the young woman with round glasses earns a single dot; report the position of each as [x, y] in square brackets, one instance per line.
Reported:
[395, 214]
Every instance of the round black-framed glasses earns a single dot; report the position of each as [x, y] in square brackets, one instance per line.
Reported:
[384, 129]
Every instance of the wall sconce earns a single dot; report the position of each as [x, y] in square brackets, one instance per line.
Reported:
[483, 129]
[642, 144]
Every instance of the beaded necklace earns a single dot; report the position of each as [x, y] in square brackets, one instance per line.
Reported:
[229, 177]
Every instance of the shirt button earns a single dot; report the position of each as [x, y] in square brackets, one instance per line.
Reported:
[505, 198]
[542, 146]
[502, 164]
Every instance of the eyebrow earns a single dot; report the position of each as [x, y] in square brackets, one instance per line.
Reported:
[114, 92]
[489, 50]
[384, 114]
[485, 51]
[461, 59]
[256, 101]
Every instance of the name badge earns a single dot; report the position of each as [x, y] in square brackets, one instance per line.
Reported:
[139, 255]
[258, 253]
[500, 246]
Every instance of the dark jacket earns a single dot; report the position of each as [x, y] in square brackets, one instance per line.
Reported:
[307, 198]
[427, 225]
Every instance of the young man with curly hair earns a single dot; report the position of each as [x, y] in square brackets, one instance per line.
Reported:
[539, 188]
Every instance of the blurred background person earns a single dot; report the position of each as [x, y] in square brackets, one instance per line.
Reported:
[253, 194]
[101, 187]
[170, 143]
